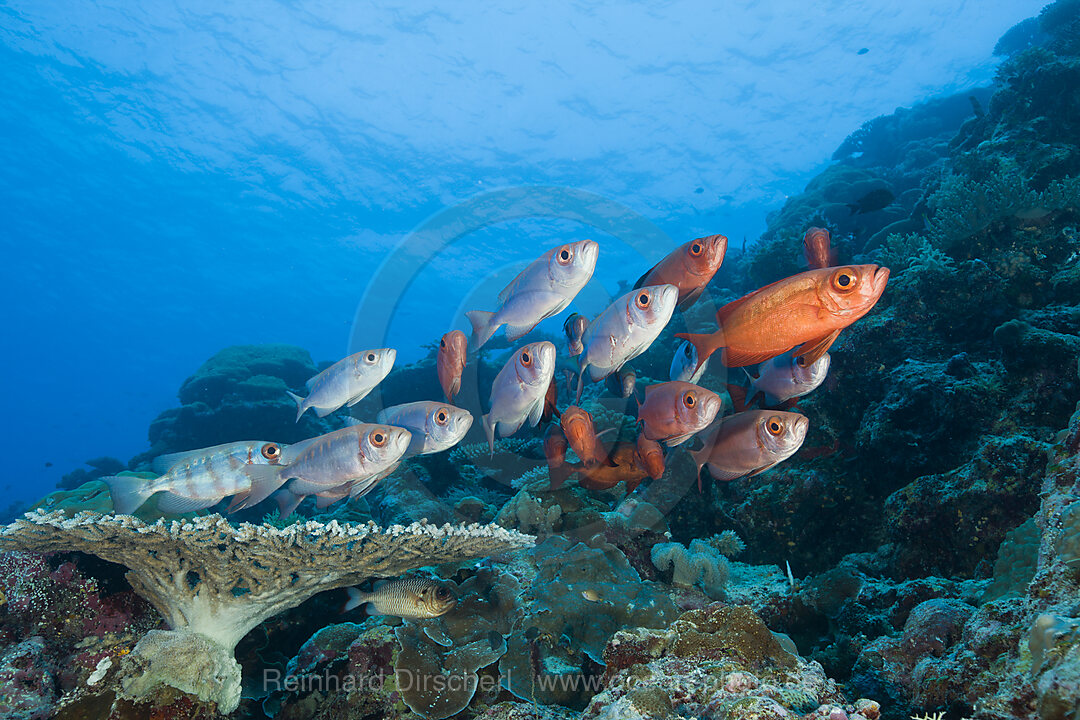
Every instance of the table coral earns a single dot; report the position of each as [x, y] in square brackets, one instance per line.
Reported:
[214, 582]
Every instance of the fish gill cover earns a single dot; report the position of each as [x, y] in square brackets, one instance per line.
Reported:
[719, 532]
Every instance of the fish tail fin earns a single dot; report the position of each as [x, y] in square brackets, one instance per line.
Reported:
[580, 382]
[357, 598]
[489, 430]
[299, 404]
[704, 343]
[128, 493]
[453, 390]
[483, 326]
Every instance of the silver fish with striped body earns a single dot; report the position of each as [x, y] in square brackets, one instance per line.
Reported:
[624, 330]
[435, 426]
[415, 597]
[196, 479]
[519, 390]
[346, 382]
[541, 290]
[355, 456]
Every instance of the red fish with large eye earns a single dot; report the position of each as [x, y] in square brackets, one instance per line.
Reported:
[818, 250]
[806, 311]
[748, 443]
[674, 411]
[688, 267]
[651, 456]
[580, 432]
[450, 362]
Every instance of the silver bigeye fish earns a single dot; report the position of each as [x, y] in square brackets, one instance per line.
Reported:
[624, 330]
[353, 456]
[539, 291]
[415, 597]
[785, 378]
[346, 382]
[751, 442]
[196, 479]
[684, 366]
[519, 390]
[435, 426]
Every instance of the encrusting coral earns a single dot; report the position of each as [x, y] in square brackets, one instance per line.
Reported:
[213, 582]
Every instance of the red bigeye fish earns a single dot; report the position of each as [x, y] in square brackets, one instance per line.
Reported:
[574, 327]
[551, 401]
[651, 456]
[688, 267]
[555, 446]
[577, 426]
[519, 390]
[450, 362]
[807, 311]
[674, 411]
[194, 480]
[354, 456]
[624, 330]
[787, 378]
[747, 443]
[541, 290]
[623, 466]
[346, 382]
[817, 246]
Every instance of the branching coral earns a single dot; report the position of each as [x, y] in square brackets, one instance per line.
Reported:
[214, 582]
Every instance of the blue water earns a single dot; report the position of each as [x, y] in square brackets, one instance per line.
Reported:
[181, 177]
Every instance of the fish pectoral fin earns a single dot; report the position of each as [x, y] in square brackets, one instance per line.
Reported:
[678, 439]
[169, 502]
[761, 469]
[536, 412]
[727, 475]
[813, 350]
[516, 332]
[741, 358]
[353, 401]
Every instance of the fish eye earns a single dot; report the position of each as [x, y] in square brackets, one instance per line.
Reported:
[688, 350]
[271, 451]
[378, 438]
[565, 256]
[844, 280]
[442, 592]
[689, 400]
[696, 249]
[370, 357]
[642, 300]
[801, 361]
[526, 358]
[441, 417]
[442, 343]
[774, 425]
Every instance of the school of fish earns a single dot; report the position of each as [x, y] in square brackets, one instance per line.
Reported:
[785, 329]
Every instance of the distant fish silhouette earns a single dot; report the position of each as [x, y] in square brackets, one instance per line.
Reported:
[863, 51]
[871, 201]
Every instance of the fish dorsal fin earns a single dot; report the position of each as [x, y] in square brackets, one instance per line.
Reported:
[725, 312]
[641, 280]
[379, 584]
[733, 358]
[314, 379]
[813, 350]
[163, 463]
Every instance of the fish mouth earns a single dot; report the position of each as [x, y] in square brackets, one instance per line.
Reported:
[802, 424]
[401, 442]
[589, 252]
